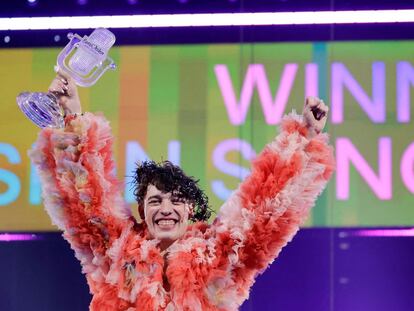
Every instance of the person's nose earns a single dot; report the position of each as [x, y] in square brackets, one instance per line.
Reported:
[165, 213]
[165, 208]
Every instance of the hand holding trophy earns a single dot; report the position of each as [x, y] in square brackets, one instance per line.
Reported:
[66, 92]
[83, 60]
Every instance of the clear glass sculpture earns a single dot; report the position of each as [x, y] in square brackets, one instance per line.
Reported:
[83, 59]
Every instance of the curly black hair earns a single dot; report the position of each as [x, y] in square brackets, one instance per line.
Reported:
[168, 177]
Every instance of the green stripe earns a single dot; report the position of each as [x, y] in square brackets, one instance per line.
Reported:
[163, 101]
[218, 125]
[192, 112]
[104, 96]
[320, 57]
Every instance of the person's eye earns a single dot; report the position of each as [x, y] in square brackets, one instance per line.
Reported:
[177, 201]
[154, 202]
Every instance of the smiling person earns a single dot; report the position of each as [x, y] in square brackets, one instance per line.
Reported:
[173, 259]
[167, 199]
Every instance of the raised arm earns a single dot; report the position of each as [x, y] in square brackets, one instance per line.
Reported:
[267, 209]
[80, 190]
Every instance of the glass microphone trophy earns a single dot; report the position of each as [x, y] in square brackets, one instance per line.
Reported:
[85, 60]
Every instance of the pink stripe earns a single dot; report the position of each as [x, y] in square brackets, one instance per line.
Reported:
[386, 232]
[9, 237]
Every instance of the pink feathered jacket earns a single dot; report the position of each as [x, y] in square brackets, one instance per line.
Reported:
[213, 266]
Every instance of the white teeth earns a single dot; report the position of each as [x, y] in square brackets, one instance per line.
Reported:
[166, 222]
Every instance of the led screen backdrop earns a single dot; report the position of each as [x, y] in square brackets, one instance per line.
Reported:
[212, 108]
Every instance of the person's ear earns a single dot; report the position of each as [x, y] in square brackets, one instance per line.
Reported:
[141, 211]
[190, 209]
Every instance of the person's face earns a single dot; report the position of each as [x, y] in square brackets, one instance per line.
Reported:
[166, 215]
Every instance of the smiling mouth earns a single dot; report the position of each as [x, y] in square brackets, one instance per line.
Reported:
[166, 222]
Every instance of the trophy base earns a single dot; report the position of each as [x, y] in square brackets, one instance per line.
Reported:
[42, 109]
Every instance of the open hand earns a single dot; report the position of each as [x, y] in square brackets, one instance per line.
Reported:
[66, 92]
[315, 114]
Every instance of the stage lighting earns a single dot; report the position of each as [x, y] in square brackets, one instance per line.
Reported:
[32, 2]
[6, 39]
[208, 19]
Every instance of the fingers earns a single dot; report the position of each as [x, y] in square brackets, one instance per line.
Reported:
[65, 79]
[59, 86]
[62, 74]
[315, 113]
[318, 113]
[65, 90]
[312, 101]
[322, 106]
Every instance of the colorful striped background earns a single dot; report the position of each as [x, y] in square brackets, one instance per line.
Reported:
[164, 93]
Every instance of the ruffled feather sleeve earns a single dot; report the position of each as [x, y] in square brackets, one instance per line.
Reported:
[265, 212]
[80, 190]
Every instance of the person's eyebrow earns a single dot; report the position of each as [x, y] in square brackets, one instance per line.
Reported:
[177, 196]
